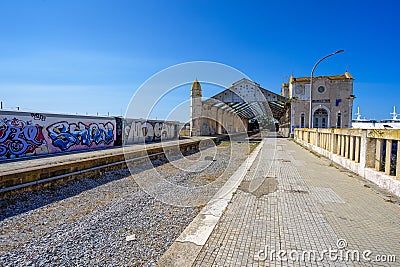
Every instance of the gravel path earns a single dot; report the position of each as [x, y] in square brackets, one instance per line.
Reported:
[86, 222]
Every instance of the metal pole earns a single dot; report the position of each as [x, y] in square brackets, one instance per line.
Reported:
[310, 124]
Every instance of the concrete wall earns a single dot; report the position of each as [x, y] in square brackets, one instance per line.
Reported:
[140, 131]
[24, 134]
[299, 107]
[373, 154]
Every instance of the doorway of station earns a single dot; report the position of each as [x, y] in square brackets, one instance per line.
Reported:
[253, 125]
[320, 118]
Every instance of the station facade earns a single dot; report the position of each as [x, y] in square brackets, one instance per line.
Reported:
[237, 107]
[331, 104]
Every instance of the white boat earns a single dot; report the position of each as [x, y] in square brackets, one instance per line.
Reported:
[393, 123]
[360, 123]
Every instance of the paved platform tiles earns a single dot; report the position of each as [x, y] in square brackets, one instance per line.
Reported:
[293, 202]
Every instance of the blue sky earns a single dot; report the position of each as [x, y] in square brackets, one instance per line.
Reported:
[90, 56]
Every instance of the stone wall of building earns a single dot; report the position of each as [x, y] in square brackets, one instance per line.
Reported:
[195, 109]
[221, 121]
[333, 95]
[208, 119]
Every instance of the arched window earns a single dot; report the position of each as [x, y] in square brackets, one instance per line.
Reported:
[339, 120]
[302, 120]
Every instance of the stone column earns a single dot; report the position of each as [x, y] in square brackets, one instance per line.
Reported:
[346, 148]
[378, 154]
[333, 143]
[357, 150]
[196, 109]
[351, 140]
[220, 120]
[342, 145]
[365, 152]
[370, 148]
[388, 156]
[398, 160]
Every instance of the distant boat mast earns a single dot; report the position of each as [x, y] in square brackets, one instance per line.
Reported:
[358, 114]
[394, 113]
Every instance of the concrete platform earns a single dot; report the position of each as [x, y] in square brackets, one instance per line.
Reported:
[295, 209]
[43, 171]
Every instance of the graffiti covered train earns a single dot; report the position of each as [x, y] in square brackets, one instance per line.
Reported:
[24, 134]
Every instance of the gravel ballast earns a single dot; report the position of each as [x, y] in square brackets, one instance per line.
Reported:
[107, 220]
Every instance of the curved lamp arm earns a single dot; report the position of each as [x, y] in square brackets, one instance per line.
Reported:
[311, 82]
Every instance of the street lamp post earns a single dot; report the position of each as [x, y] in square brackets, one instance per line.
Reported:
[310, 124]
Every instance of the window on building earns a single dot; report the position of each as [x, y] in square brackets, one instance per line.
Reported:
[321, 89]
[302, 120]
[339, 120]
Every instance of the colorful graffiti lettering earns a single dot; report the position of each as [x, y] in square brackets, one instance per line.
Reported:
[38, 116]
[142, 131]
[64, 134]
[18, 137]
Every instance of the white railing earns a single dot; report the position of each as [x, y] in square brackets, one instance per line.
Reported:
[373, 154]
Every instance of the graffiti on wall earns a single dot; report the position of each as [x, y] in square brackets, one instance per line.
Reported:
[24, 134]
[18, 137]
[148, 131]
[65, 135]
[38, 116]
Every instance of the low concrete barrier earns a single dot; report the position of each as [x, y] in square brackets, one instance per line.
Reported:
[28, 178]
[373, 154]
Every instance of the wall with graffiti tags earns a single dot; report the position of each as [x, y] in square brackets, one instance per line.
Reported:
[140, 131]
[24, 134]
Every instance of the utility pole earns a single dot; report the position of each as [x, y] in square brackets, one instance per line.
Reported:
[310, 124]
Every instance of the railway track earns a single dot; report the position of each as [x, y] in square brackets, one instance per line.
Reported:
[43, 172]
